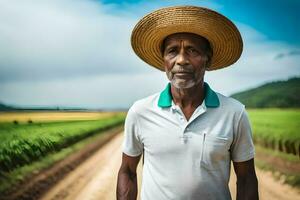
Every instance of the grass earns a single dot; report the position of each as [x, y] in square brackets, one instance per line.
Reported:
[9, 179]
[24, 143]
[279, 124]
[278, 128]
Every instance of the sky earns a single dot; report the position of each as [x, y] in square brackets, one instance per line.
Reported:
[77, 53]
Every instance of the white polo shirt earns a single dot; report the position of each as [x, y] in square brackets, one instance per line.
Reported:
[187, 160]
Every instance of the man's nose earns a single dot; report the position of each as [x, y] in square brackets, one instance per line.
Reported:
[182, 58]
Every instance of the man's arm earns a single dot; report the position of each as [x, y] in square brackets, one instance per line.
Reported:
[127, 178]
[247, 186]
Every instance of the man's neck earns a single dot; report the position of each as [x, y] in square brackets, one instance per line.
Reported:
[188, 97]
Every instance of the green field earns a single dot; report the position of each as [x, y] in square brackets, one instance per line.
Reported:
[24, 143]
[277, 129]
[28, 146]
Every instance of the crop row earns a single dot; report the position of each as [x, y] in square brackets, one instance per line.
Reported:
[277, 129]
[289, 147]
[23, 144]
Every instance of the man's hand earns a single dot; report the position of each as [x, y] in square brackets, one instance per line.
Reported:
[247, 186]
[127, 179]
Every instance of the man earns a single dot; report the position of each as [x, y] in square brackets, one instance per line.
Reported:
[188, 133]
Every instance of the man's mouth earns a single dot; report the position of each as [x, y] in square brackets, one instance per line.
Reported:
[183, 74]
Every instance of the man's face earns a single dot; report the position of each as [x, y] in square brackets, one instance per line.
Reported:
[185, 59]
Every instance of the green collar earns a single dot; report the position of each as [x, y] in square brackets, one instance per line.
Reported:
[211, 98]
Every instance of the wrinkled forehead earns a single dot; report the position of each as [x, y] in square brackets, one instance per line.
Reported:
[190, 38]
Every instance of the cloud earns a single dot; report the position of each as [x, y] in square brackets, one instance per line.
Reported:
[64, 39]
[141, 8]
[290, 53]
[102, 91]
[44, 40]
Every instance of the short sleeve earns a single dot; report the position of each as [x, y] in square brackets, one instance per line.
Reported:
[132, 145]
[242, 148]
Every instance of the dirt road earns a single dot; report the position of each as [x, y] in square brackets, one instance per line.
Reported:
[97, 177]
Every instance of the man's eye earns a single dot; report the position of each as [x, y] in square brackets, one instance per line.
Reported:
[171, 51]
[192, 50]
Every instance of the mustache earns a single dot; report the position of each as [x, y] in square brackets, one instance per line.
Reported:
[181, 69]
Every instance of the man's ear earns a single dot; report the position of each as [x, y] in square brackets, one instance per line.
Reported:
[207, 61]
[209, 55]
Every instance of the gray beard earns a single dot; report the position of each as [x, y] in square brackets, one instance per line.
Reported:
[184, 84]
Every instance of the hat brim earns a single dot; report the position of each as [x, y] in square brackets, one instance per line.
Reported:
[223, 36]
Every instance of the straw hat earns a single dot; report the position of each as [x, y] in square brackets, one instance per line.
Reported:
[149, 33]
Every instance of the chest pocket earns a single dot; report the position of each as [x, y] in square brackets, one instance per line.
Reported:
[214, 153]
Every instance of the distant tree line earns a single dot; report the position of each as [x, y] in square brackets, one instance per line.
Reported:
[279, 94]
